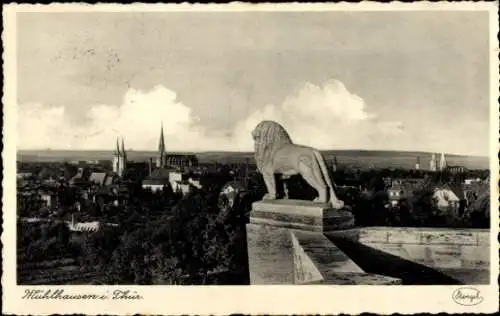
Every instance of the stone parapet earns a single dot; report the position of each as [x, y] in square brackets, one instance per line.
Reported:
[424, 236]
[463, 254]
[295, 242]
[286, 245]
[318, 261]
[270, 258]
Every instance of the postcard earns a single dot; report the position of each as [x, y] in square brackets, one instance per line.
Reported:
[250, 158]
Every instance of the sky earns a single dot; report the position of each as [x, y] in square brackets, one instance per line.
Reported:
[335, 80]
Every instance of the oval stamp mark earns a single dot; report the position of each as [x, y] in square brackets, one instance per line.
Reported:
[467, 296]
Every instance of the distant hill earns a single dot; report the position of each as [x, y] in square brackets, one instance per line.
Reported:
[360, 158]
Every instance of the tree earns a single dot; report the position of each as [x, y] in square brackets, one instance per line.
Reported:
[422, 206]
[97, 248]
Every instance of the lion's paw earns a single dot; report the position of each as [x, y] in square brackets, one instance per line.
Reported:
[318, 200]
[268, 196]
[338, 204]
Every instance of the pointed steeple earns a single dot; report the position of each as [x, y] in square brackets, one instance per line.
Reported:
[117, 147]
[160, 161]
[124, 154]
[442, 162]
[161, 144]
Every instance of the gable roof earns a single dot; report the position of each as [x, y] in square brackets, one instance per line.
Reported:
[98, 177]
[455, 188]
[109, 179]
[160, 173]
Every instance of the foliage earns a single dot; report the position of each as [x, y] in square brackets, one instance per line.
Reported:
[166, 238]
[186, 244]
[39, 242]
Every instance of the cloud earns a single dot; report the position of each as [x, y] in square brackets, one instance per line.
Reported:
[326, 116]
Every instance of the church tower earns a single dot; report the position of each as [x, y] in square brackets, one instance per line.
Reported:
[116, 158]
[442, 162]
[161, 159]
[123, 160]
[432, 165]
[119, 159]
[417, 164]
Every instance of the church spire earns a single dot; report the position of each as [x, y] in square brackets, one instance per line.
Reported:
[442, 162]
[161, 144]
[124, 154]
[160, 161]
[432, 165]
[117, 146]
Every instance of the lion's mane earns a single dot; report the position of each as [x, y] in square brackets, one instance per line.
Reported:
[268, 136]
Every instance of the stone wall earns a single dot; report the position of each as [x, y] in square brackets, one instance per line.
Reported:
[463, 254]
[298, 242]
[286, 245]
[318, 261]
[270, 258]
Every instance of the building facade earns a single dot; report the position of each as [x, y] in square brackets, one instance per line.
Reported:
[164, 160]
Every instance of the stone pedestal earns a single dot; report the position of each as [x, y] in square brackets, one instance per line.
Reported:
[269, 238]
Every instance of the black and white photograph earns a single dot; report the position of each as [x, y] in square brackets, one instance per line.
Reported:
[213, 147]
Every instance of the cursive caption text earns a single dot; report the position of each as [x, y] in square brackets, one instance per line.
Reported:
[61, 294]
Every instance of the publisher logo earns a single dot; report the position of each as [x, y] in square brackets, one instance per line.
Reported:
[467, 296]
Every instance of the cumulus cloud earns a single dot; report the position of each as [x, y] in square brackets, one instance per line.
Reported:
[326, 116]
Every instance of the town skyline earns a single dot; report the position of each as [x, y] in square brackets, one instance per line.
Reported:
[152, 150]
[211, 85]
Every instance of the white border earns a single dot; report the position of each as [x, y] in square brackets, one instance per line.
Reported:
[316, 299]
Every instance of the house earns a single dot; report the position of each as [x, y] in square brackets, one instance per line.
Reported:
[98, 177]
[49, 198]
[195, 182]
[81, 178]
[158, 179]
[397, 193]
[472, 181]
[449, 197]
[475, 192]
[229, 193]
[23, 174]
[83, 227]
[402, 189]
[412, 182]
[183, 186]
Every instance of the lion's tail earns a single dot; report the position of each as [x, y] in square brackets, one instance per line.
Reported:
[336, 203]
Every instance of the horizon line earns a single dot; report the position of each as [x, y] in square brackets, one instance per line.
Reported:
[249, 151]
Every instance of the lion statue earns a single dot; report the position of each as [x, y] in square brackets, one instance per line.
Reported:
[275, 153]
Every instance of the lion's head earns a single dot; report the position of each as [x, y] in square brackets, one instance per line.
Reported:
[268, 137]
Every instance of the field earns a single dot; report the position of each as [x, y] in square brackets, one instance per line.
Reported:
[357, 158]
